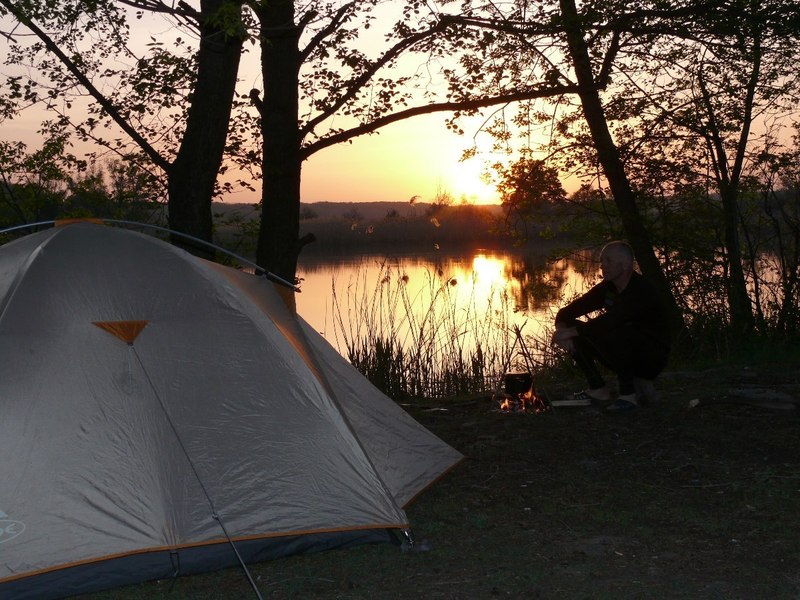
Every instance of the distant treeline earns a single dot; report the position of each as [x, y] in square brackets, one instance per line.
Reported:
[417, 226]
[375, 227]
[380, 226]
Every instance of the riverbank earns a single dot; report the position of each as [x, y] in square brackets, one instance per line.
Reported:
[381, 227]
[670, 502]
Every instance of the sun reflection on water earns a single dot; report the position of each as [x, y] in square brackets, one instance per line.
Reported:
[482, 290]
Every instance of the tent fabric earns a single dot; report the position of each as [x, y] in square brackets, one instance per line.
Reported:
[149, 399]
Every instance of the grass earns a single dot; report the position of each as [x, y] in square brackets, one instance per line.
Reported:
[431, 340]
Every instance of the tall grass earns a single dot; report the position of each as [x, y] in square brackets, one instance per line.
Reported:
[427, 339]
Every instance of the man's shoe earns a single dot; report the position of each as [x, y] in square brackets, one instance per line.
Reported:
[623, 404]
[646, 392]
[584, 398]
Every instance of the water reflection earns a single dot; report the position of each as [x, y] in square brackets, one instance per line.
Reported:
[482, 289]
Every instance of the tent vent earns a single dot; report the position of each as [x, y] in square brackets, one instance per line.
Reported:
[127, 331]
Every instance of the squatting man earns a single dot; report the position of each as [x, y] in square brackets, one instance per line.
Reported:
[629, 336]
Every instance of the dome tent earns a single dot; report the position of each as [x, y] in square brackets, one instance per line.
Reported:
[161, 414]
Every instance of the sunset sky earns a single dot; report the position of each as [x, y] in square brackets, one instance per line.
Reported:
[417, 157]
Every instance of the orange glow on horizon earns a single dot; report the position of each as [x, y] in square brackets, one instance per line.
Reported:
[418, 157]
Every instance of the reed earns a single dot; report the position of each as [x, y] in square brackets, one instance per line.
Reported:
[427, 338]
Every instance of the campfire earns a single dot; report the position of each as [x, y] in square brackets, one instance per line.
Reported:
[519, 396]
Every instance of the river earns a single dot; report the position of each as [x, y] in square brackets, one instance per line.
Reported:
[478, 296]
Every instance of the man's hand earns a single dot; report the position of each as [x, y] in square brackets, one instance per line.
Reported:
[564, 337]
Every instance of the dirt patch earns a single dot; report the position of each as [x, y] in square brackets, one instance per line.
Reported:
[671, 501]
[668, 502]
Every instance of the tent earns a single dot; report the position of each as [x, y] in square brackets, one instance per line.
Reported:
[163, 415]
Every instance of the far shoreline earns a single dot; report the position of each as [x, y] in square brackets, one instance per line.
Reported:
[393, 229]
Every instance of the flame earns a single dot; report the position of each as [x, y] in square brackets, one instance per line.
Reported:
[528, 402]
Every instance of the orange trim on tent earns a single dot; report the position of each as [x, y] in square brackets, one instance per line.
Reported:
[127, 331]
[63, 222]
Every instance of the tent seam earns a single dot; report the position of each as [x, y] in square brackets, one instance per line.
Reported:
[32, 257]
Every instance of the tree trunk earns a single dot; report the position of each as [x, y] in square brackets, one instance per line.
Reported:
[278, 245]
[742, 320]
[612, 165]
[193, 173]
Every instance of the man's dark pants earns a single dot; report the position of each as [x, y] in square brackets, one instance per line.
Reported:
[626, 351]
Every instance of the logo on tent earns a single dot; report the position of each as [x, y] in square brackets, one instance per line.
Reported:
[9, 529]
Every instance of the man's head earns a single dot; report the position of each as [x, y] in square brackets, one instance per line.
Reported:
[616, 263]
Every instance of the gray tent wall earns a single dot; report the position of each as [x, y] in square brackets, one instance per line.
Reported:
[384, 428]
[120, 451]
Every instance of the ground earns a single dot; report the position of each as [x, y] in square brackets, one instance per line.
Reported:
[668, 502]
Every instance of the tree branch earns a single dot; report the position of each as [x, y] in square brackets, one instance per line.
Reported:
[631, 22]
[255, 100]
[183, 12]
[158, 6]
[112, 111]
[463, 105]
[335, 23]
[359, 82]
[605, 71]
[749, 101]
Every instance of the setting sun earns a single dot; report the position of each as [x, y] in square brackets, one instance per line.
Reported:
[418, 158]
[467, 184]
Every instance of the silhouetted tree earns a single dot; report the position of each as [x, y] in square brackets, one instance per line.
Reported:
[175, 108]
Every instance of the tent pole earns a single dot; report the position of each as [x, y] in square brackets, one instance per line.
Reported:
[258, 270]
[214, 514]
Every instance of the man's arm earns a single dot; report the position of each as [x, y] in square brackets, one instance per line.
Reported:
[565, 322]
[591, 301]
